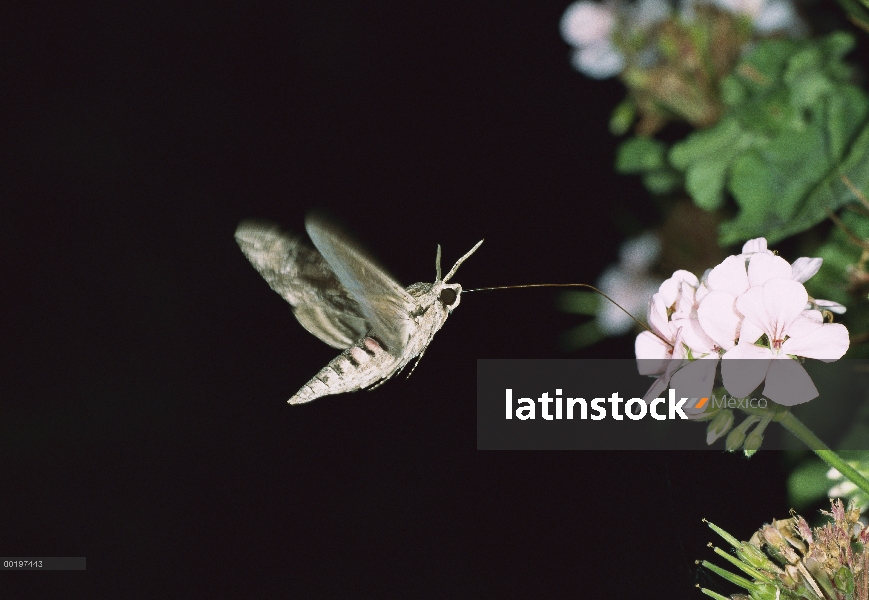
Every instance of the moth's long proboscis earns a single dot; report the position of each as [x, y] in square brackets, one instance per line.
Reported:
[585, 285]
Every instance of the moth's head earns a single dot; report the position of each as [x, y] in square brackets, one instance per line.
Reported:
[450, 293]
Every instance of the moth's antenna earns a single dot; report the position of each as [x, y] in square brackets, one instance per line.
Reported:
[438, 264]
[460, 261]
[585, 285]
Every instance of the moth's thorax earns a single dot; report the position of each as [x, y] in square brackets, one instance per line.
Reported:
[432, 310]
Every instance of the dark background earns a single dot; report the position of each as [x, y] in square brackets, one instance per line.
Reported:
[147, 365]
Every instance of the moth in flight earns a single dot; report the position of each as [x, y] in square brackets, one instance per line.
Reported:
[344, 298]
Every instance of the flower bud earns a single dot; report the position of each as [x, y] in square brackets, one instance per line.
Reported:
[765, 591]
[790, 577]
[755, 438]
[844, 581]
[788, 529]
[720, 425]
[752, 442]
[756, 558]
[778, 545]
[734, 440]
[737, 436]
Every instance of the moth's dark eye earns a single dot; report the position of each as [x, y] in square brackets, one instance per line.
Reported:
[448, 296]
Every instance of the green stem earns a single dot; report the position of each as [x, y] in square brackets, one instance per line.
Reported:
[857, 12]
[803, 433]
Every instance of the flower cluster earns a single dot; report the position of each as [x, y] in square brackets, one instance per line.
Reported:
[767, 16]
[789, 559]
[752, 314]
[590, 27]
[599, 32]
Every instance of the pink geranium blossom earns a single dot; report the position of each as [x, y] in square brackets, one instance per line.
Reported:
[777, 328]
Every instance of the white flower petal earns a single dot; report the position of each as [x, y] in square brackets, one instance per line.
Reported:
[672, 288]
[755, 245]
[743, 368]
[846, 488]
[586, 23]
[631, 292]
[804, 268]
[640, 253]
[775, 15]
[719, 319]
[806, 323]
[600, 60]
[788, 384]
[750, 305]
[833, 307]
[702, 292]
[764, 267]
[730, 276]
[657, 388]
[694, 337]
[658, 319]
[670, 367]
[652, 354]
[828, 343]
[695, 380]
[749, 333]
[784, 300]
[686, 305]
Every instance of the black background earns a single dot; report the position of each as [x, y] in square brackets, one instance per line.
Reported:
[144, 423]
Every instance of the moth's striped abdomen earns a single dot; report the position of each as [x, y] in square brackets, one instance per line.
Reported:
[358, 367]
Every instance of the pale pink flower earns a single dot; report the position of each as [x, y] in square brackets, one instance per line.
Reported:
[776, 309]
[588, 26]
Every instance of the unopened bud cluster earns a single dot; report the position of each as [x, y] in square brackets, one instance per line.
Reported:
[790, 560]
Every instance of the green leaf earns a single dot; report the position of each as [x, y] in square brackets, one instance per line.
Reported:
[769, 183]
[838, 44]
[839, 253]
[662, 182]
[845, 110]
[623, 117]
[829, 194]
[705, 182]
[764, 66]
[807, 60]
[583, 303]
[707, 143]
[808, 483]
[640, 154]
[732, 91]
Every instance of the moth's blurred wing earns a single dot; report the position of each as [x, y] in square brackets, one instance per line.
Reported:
[383, 302]
[303, 278]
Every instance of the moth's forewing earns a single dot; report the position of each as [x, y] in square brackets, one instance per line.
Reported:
[384, 304]
[305, 279]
